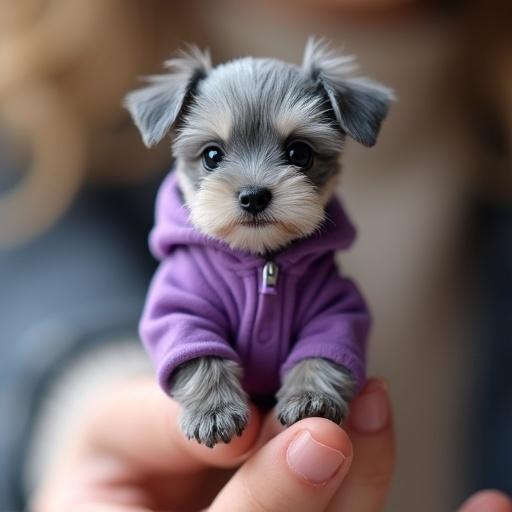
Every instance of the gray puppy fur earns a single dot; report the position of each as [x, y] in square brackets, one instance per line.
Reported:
[315, 387]
[214, 403]
[250, 110]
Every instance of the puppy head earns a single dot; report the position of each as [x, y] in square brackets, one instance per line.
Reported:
[257, 141]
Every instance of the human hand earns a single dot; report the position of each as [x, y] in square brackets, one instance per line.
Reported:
[132, 457]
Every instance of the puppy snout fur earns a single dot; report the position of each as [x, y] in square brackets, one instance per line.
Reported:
[254, 199]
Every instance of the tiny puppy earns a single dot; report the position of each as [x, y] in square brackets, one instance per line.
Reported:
[248, 300]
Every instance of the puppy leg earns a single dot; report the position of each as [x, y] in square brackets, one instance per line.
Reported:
[214, 403]
[315, 387]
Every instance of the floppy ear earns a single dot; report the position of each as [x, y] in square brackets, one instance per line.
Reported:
[157, 107]
[359, 104]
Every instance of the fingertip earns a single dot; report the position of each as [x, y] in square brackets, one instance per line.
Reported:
[376, 383]
[371, 410]
[318, 451]
[487, 501]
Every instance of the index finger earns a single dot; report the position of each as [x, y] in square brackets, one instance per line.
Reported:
[138, 423]
[370, 428]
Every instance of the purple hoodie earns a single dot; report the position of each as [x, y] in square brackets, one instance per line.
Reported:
[207, 299]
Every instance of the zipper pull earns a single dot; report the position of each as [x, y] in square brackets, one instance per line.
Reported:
[270, 276]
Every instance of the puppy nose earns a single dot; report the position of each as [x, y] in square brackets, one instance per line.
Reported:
[254, 199]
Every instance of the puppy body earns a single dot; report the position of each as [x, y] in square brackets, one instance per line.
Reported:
[247, 230]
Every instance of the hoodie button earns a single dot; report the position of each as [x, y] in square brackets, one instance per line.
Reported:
[264, 336]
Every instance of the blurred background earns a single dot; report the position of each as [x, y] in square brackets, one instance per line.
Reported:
[432, 201]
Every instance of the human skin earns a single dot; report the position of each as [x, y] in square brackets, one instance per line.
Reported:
[130, 456]
[487, 501]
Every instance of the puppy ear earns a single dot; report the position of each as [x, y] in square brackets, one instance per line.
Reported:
[157, 107]
[359, 105]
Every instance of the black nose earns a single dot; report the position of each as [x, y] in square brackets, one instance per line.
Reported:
[254, 199]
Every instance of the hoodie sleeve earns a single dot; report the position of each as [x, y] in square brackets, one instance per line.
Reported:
[183, 317]
[334, 322]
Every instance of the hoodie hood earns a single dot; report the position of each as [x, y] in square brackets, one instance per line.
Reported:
[173, 228]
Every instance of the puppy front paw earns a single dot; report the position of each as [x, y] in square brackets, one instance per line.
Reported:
[315, 387]
[210, 427]
[307, 404]
[214, 404]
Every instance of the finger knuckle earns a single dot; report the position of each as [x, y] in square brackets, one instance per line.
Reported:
[376, 478]
[379, 474]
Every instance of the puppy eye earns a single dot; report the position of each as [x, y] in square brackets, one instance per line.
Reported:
[299, 154]
[212, 157]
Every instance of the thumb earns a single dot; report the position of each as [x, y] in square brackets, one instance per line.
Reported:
[300, 469]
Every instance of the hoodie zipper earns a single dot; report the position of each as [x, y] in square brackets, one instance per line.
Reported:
[270, 277]
[264, 354]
